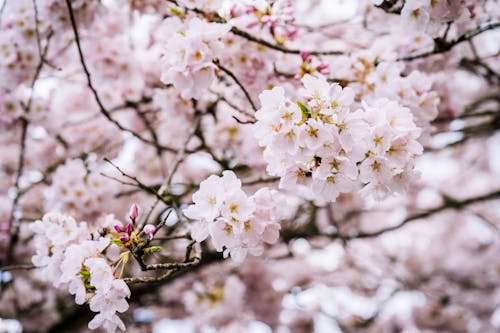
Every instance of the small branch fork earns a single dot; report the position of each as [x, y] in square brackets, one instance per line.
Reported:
[136, 183]
[441, 45]
[255, 39]
[449, 203]
[101, 106]
[235, 79]
[138, 253]
[309, 230]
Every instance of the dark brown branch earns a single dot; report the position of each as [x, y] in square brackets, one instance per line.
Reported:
[237, 81]
[478, 67]
[310, 230]
[17, 267]
[389, 6]
[253, 38]
[136, 183]
[101, 106]
[165, 187]
[277, 47]
[169, 265]
[486, 113]
[449, 203]
[13, 222]
[442, 46]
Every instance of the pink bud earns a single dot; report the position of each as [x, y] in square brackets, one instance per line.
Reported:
[128, 228]
[306, 56]
[149, 230]
[133, 212]
[292, 33]
[119, 228]
[324, 69]
[236, 11]
[472, 12]
[124, 238]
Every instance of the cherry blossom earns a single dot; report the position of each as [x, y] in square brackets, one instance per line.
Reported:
[249, 166]
[236, 224]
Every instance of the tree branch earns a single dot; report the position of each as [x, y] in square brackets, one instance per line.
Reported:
[449, 203]
[442, 46]
[101, 106]
[235, 79]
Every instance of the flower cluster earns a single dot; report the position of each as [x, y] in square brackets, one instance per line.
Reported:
[237, 224]
[74, 190]
[276, 16]
[190, 51]
[10, 108]
[53, 13]
[430, 15]
[413, 91]
[71, 257]
[330, 148]
[210, 302]
[18, 48]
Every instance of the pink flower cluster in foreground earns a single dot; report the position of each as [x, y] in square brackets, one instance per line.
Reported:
[73, 258]
[331, 145]
[238, 224]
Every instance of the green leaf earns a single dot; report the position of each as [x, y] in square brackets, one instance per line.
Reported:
[152, 249]
[176, 11]
[306, 113]
[116, 242]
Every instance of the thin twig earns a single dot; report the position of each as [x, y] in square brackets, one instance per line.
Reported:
[179, 158]
[255, 39]
[442, 46]
[17, 267]
[101, 106]
[235, 79]
[280, 48]
[448, 204]
[136, 183]
[13, 220]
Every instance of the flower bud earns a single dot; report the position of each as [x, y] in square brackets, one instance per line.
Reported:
[306, 56]
[236, 11]
[133, 212]
[149, 230]
[124, 238]
[128, 228]
[324, 69]
[292, 33]
[119, 228]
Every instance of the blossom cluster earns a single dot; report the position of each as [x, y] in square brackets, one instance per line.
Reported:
[75, 189]
[18, 47]
[190, 51]
[430, 15]
[71, 257]
[210, 303]
[275, 16]
[413, 90]
[330, 147]
[107, 102]
[237, 224]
